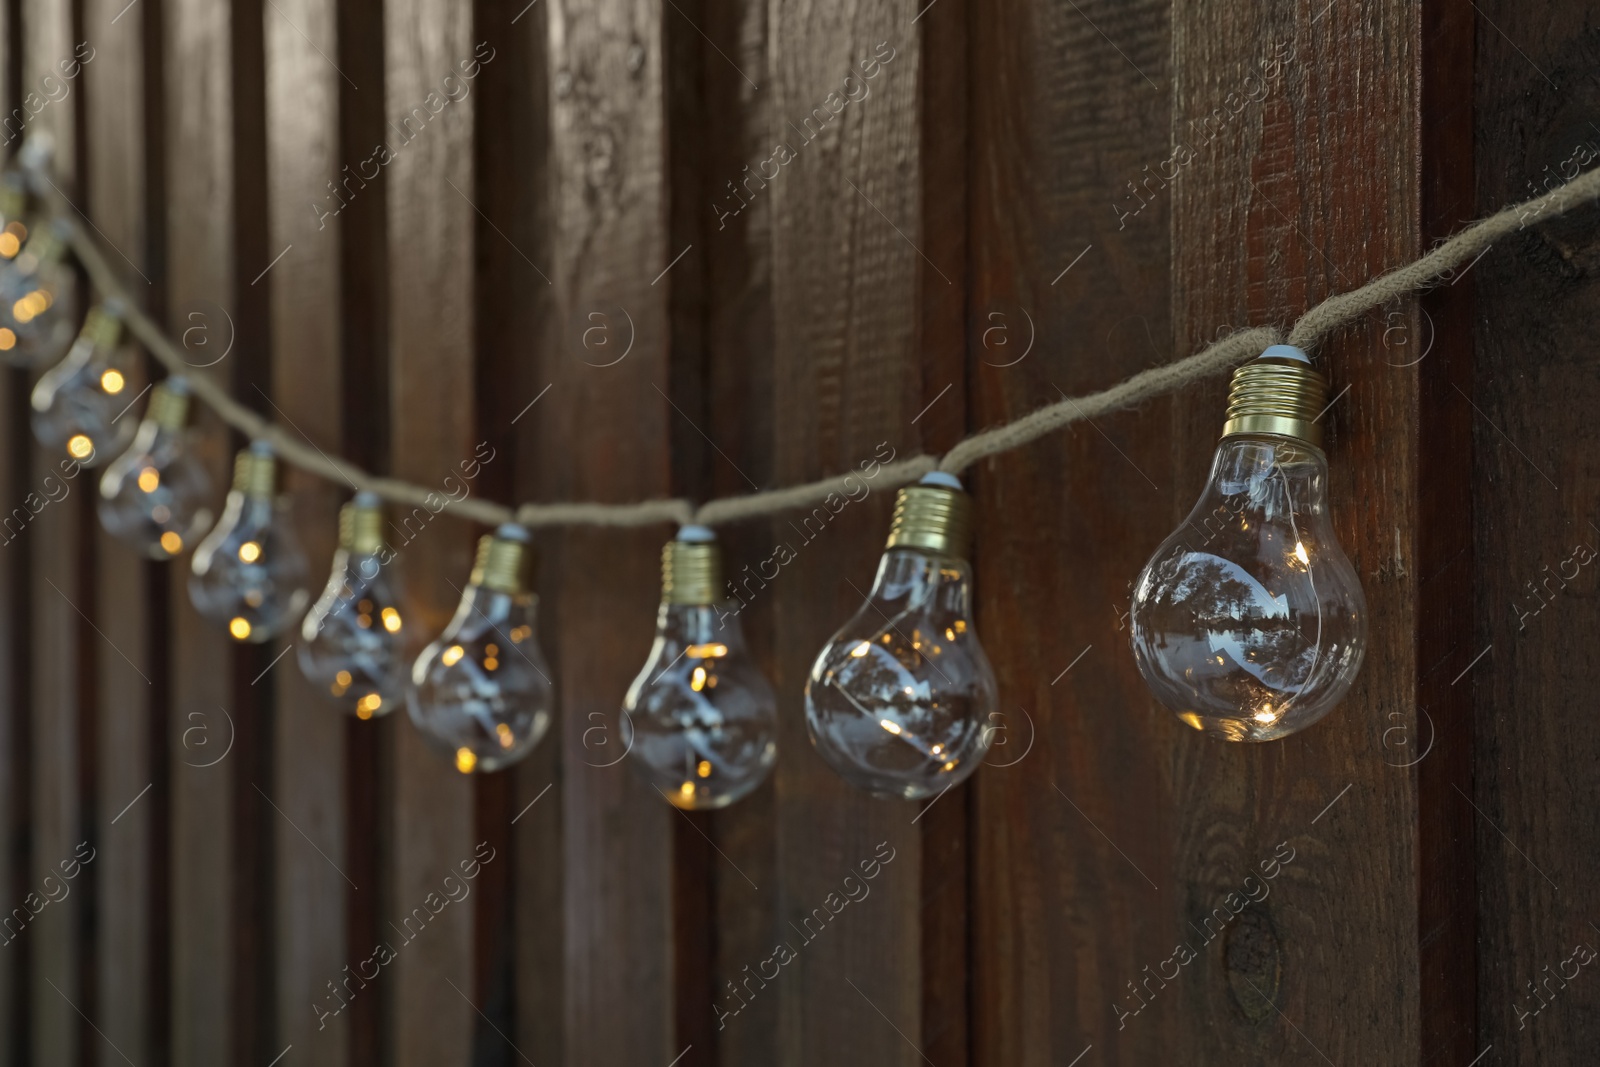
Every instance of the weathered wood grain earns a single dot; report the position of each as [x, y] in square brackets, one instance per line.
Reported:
[307, 794]
[604, 431]
[1535, 473]
[1311, 192]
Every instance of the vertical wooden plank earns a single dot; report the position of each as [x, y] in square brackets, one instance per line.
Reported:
[605, 433]
[431, 226]
[303, 89]
[1536, 477]
[848, 280]
[116, 198]
[63, 591]
[1313, 192]
[204, 718]
[1068, 295]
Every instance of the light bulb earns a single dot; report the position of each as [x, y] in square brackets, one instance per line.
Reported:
[351, 639]
[80, 405]
[249, 574]
[1249, 622]
[481, 693]
[39, 298]
[897, 701]
[154, 495]
[705, 722]
[13, 215]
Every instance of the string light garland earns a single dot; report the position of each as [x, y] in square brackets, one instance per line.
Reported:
[1254, 634]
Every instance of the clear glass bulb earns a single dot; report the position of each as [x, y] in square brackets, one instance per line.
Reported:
[154, 496]
[351, 641]
[898, 699]
[80, 405]
[704, 720]
[249, 574]
[1249, 621]
[40, 302]
[481, 693]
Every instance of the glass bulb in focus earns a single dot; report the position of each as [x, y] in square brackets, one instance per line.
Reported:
[705, 721]
[481, 693]
[898, 699]
[249, 574]
[351, 639]
[1249, 621]
[154, 496]
[39, 298]
[80, 405]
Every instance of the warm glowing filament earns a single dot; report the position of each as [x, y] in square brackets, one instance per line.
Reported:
[249, 551]
[112, 382]
[1300, 553]
[239, 628]
[860, 650]
[149, 479]
[9, 245]
[706, 651]
[490, 663]
[697, 680]
[80, 446]
[503, 732]
[452, 656]
[1266, 714]
[367, 705]
[391, 620]
[8, 340]
[465, 760]
[703, 768]
[171, 543]
[892, 727]
[343, 677]
[21, 311]
[687, 789]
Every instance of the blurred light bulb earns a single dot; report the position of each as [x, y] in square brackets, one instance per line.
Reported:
[897, 699]
[80, 405]
[154, 495]
[254, 592]
[39, 298]
[350, 641]
[1249, 621]
[704, 720]
[481, 693]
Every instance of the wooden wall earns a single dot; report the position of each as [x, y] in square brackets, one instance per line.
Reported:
[573, 255]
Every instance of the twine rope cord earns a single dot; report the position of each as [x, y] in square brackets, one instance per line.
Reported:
[1316, 323]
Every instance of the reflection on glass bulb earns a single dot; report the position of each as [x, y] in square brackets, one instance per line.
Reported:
[249, 574]
[481, 693]
[39, 298]
[1249, 621]
[897, 700]
[704, 719]
[78, 404]
[351, 640]
[154, 495]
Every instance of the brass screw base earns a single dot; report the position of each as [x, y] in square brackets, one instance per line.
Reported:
[691, 572]
[361, 528]
[255, 473]
[169, 408]
[503, 564]
[934, 519]
[1277, 396]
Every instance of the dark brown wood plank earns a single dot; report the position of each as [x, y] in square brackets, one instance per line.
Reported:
[431, 224]
[303, 88]
[1068, 296]
[127, 814]
[848, 282]
[1535, 476]
[204, 718]
[61, 659]
[604, 432]
[1312, 191]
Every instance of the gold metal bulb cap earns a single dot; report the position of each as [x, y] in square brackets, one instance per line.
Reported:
[691, 572]
[1277, 395]
[102, 327]
[255, 473]
[504, 564]
[169, 407]
[932, 518]
[361, 527]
